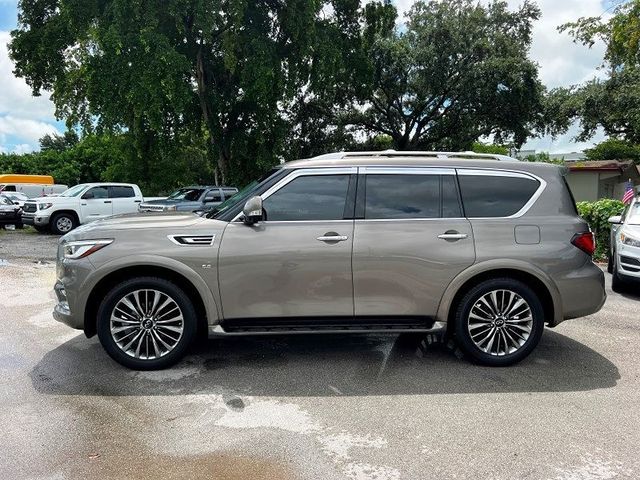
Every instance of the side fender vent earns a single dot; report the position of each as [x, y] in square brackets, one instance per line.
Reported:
[192, 240]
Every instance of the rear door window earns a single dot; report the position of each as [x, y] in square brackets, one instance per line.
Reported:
[400, 196]
[121, 192]
[489, 195]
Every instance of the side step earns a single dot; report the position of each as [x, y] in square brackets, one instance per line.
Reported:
[275, 326]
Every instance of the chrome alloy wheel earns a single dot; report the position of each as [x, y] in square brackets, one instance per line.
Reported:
[500, 322]
[64, 224]
[146, 324]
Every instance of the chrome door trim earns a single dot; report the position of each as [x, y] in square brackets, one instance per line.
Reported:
[406, 171]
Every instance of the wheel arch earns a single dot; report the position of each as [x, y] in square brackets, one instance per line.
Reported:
[203, 302]
[528, 274]
[71, 212]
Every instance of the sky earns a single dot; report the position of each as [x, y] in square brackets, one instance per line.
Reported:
[24, 118]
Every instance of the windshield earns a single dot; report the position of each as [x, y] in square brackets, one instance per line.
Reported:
[634, 214]
[188, 194]
[74, 191]
[241, 196]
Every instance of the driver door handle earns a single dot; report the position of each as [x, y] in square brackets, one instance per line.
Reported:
[452, 236]
[332, 237]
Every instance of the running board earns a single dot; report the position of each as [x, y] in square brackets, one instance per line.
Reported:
[286, 328]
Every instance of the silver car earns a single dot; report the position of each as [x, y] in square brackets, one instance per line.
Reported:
[624, 260]
[489, 248]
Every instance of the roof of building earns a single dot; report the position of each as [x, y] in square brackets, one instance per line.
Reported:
[600, 165]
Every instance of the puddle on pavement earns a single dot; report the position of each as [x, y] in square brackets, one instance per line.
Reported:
[211, 466]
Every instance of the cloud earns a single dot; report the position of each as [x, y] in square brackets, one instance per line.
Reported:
[23, 117]
[25, 130]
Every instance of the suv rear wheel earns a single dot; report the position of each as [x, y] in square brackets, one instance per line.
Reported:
[499, 322]
[146, 323]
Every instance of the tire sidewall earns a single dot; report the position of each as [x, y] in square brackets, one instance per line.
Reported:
[56, 217]
[461, 328]
[165, 286]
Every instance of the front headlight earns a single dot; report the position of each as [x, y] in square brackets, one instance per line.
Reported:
[44, 206]
[84, 248]
[170, 208]
[627, 240]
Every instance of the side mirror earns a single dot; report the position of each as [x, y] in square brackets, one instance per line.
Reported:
[252, 211]
[87, 196]
[616, 219]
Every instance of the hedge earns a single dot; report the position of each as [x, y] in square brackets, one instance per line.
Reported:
[597, 215]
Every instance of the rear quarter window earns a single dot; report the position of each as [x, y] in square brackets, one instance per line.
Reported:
[497, 195]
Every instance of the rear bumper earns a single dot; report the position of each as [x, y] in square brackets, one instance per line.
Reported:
[582, 292]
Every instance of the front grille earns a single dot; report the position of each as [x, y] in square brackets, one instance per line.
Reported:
[152, 208]
[29, 207]
[629, 260]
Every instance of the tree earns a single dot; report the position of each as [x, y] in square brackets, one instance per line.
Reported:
[612, 103]
[165, 70]
[479, 147]
[614, 149]
[458, 72]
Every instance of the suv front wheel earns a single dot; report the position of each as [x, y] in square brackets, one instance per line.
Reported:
[146, 323]
[499, 322]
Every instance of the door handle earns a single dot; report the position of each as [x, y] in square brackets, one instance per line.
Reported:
[332, 237]
[452, 235]
[107, 201]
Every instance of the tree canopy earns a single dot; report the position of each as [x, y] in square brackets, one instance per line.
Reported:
[244, 85]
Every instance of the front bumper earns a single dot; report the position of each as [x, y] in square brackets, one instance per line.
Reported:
[628, 258]
[36, 219]
[62, 311]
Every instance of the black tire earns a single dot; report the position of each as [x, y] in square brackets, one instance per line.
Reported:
[41, 229]
[469, 301]
[60, 219]
[189, 323]
[610, 263]
[617, 282]
[19, 226]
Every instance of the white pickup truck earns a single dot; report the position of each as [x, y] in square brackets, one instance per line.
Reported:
[81, 204]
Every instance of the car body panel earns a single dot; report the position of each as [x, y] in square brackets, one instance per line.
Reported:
[280, 269]
[401, 267]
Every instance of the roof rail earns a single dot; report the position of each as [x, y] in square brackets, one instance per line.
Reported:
[394, 153]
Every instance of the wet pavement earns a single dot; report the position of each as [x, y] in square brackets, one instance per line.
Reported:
[310, 407]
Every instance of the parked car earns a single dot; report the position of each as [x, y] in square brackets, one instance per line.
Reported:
[624, 259]
[18, 198]
[190, 199]
[81, 204]
[490, 247]
[10, 213]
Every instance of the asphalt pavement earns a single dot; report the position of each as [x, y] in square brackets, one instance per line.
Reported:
[310, 407]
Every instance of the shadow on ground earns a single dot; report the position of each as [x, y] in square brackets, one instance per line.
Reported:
[323, 365]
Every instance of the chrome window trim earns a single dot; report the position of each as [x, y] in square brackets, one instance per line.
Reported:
[493, 172]
[406, 171]
[303, 172]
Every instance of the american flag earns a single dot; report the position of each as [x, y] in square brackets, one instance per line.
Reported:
[628, 193]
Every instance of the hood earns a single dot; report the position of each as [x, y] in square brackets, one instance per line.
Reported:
[135, 221]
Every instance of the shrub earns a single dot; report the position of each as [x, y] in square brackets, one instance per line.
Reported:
[597, 215]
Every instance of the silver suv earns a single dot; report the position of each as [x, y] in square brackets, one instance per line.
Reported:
[488, 247]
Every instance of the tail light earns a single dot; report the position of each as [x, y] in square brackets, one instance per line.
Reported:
[585, 242]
